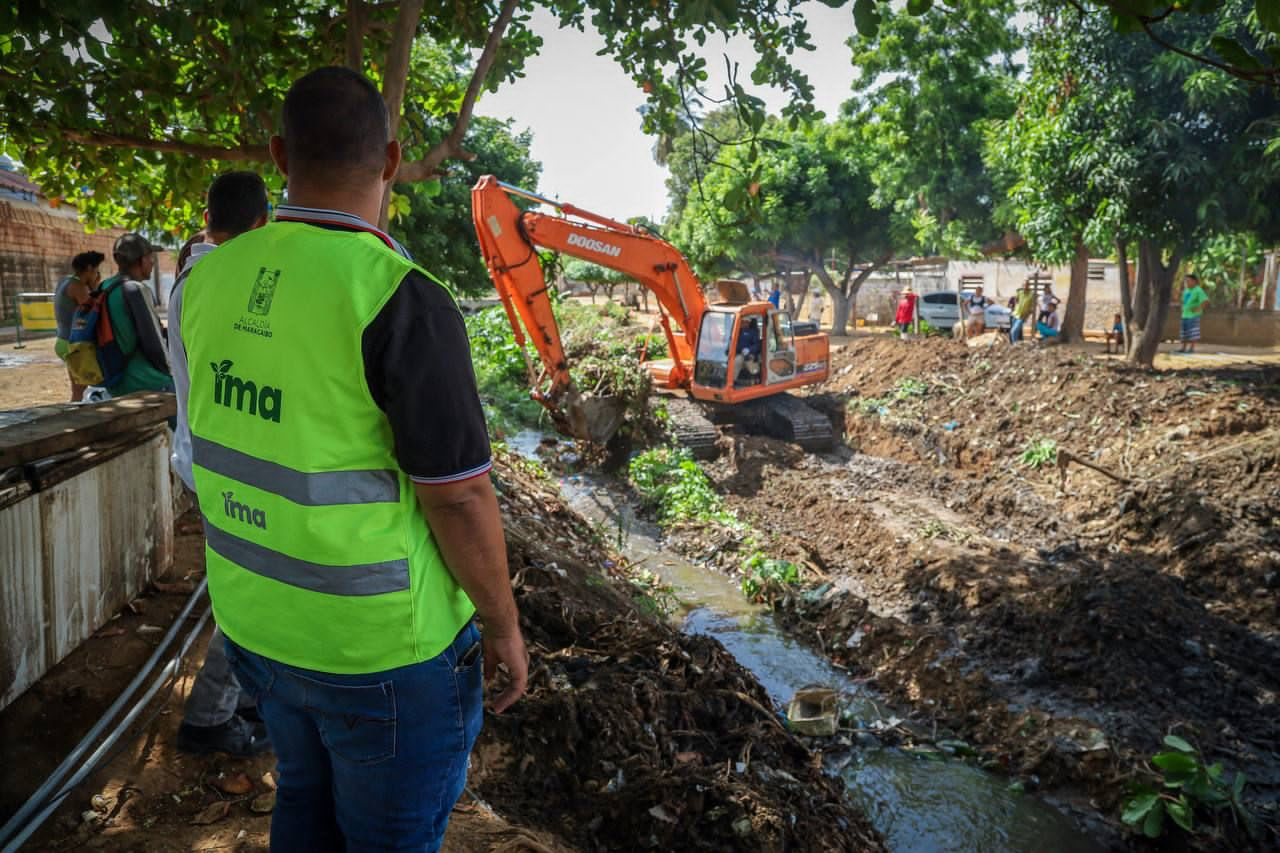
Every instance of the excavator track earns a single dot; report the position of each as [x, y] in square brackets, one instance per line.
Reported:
[788, 418]
[692, 428]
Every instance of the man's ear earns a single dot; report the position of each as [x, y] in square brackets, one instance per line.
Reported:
[392, 164]
[206, 219]
[262, 220]
[279, 155]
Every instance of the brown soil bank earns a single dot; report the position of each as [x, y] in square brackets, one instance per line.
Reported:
[1062, 620]
[632, 736]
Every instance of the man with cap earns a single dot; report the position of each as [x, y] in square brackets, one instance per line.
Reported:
[133, 318]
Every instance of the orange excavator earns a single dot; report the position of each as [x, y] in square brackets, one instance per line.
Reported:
[735, 357]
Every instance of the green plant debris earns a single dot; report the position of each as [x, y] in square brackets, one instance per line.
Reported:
[669, 481]
[1039, 452]
[765, 578]
[654, 595]
[1187, 787]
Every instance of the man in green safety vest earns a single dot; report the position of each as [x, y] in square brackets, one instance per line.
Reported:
[340, 457]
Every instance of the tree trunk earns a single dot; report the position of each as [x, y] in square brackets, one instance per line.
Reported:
[1126, 292]
[1073, 317]
[840, 304]
[1158, 285]
[1142, 293]
[1244, 264]
[355, 35]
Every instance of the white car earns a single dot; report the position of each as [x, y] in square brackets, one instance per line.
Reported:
[940, 311]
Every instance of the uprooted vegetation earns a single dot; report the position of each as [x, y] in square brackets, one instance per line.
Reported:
[601, 344]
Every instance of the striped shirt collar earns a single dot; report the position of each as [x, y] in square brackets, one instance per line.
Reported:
[336, 219]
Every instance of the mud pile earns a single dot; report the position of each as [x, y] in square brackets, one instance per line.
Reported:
[634, 736]
[1059, 620]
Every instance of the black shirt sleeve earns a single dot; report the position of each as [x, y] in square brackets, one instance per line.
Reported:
[150, 338]
[417, 362]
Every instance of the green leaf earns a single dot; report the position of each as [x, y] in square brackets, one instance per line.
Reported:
[1153, 826]
[1180, 811]
[1136, 809]
[1268, 14]
[919, 7]
[1178, 763]
[1178, 743]
[1237, 785]
[431, 188]
[1234, 53]
[866, 17]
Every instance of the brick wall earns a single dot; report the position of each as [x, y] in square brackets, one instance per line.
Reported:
[36, 248]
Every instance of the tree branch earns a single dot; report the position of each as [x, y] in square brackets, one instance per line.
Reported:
[100, 139]
[1262, 76]
[451, 146]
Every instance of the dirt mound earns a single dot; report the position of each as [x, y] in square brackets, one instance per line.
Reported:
[633, 735]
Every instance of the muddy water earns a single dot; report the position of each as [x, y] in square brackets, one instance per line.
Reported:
[918, 804]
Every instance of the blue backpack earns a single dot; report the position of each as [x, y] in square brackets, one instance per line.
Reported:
[94, 356]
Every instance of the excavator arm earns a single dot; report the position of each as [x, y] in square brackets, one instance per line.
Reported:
[509, 239]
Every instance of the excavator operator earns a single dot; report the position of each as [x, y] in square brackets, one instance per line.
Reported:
[749, 354]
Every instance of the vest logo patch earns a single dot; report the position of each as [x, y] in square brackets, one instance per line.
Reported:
[264, 290]
[243, 512]
[234, 392]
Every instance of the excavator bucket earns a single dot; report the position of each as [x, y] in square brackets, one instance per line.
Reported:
[593, 419]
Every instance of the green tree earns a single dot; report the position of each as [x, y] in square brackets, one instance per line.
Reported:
[594, 276]
[923, 88]
[436, 227]
[1158, 150]
[1064, 161]
[129, 107]
[813, 210]
[1237, 54]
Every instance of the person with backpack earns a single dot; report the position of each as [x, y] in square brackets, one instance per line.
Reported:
[134, 325]
[218, 716]
[72, 292]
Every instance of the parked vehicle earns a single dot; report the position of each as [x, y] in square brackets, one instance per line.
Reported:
[940, 311]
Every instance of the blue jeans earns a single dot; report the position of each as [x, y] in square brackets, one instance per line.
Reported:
[367, 762]
[1015, 331]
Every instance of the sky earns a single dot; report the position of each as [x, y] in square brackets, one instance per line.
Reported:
[582, 110]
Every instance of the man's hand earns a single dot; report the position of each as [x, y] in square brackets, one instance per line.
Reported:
[508, 650]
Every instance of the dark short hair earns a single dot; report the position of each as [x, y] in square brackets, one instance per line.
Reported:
[237, 200]
[335, 124]
[85, 260]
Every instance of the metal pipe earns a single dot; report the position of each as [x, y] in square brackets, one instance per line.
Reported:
[37, 799]
[90, 763]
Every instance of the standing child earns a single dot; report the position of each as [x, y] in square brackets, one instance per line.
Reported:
[1116, 335]
[1193, 299]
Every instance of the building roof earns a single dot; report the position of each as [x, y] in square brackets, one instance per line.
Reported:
[14, 182]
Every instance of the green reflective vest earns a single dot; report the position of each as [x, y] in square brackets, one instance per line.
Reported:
[318, 554]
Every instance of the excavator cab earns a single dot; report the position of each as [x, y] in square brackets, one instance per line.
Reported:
[742, 351]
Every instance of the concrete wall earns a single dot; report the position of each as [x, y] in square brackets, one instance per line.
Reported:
[76, 552]
[1229, 326]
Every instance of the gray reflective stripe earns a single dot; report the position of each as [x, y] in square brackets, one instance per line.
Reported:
[365, 579]
[324, 488]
